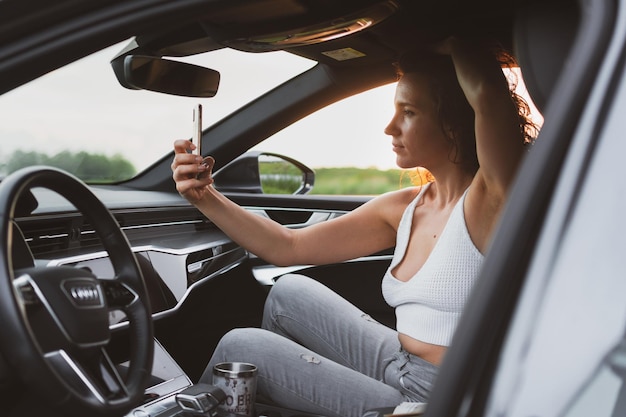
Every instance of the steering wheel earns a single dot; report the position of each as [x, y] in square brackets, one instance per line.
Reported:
[55, 320]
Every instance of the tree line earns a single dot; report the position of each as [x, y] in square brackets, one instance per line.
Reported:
[89, 167]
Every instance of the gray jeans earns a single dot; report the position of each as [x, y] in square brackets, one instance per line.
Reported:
[318, 353]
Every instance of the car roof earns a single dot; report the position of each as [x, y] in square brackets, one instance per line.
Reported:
[177, 28]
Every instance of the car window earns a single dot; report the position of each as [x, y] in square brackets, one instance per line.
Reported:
[347, 133]
[346, 146]
[80, 119]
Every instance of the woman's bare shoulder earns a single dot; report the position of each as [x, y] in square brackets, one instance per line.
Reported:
[396, 201]
[402, 196]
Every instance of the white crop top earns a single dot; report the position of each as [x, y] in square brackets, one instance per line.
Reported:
[429, 305]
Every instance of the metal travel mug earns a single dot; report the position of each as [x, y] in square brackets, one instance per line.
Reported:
[238, 381]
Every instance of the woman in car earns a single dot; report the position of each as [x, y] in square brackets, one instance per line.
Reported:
[456, 116]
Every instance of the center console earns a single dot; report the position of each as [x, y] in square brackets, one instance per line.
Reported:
[167, 379]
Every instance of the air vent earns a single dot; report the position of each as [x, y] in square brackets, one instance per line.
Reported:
[54, 235]
[57, 234]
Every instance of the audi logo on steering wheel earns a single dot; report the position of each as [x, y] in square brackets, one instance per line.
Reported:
[84, 293]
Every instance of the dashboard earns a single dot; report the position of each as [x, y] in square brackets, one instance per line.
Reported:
[176, 247]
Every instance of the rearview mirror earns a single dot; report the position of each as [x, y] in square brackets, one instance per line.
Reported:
[165, 76]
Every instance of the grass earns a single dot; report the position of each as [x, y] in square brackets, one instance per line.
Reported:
[358, 181]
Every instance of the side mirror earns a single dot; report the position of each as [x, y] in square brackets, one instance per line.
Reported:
[282, 175]
[265, 173]
[142, 72]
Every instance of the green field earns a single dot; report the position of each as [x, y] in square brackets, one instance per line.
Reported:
[283, 178]
[358, 181]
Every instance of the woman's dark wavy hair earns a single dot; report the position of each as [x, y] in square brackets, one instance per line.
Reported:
[455, 114]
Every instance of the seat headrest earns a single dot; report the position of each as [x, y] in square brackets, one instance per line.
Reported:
[542, 37]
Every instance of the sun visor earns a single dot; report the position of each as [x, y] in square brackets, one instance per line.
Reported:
[293, 35]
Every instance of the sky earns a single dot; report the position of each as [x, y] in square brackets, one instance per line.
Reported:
[82, 107]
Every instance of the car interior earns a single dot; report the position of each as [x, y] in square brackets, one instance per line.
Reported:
[172, 282]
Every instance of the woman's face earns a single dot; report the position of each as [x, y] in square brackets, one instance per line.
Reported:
[417, 137]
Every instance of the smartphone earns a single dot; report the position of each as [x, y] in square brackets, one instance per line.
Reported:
[196, 138]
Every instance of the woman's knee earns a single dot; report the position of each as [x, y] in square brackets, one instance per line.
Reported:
[231, 343]
[285, 291]
[289, 284]
[238, 345]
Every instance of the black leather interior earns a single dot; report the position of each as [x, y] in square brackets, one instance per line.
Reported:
[543, 36]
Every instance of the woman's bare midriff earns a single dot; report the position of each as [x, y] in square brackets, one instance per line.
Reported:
[427, 351]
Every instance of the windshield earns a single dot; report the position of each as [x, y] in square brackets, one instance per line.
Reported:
[80, 119]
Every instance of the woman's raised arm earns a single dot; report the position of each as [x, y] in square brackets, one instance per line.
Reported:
[499, 138]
